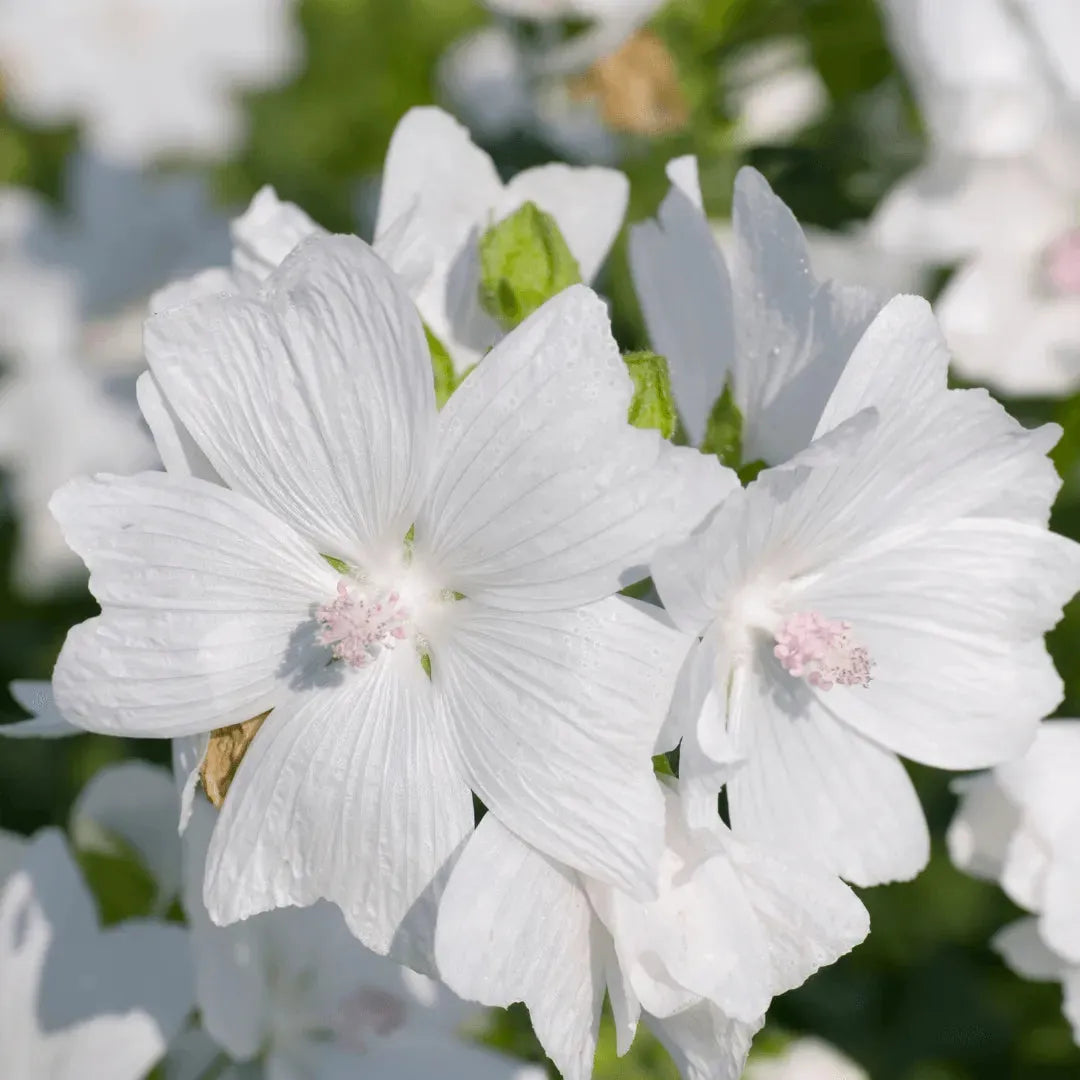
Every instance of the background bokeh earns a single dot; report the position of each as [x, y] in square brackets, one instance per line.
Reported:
[924, 998]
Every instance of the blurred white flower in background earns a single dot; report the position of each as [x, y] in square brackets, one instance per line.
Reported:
[1020, 827]
[73, 295]
[1000, 193]
[145, 78]
[76, 1000]
[293, 993]
[576, 92]
[774, 91]
[805, 1059]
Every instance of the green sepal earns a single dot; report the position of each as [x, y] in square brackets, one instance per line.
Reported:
[340, 565]
[524, 261]
[653, 405]
[442, 367]
[724, 431]
[750, 470]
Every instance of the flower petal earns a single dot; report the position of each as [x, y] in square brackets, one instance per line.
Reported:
[704, 1043]
[346, 793]
[207, 606]
[555, 717]
[685, 293]
[317, 399]
[37, 697]
[544, 495]
[792, 335]
[1021, 947]
[954, 622]
[515, 926]
[813, 787]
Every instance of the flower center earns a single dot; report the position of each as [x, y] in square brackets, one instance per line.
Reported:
[360, 622]
[370, 1011]
[1063, 264]
[821, 651]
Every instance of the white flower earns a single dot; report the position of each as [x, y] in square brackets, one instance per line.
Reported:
[767, 324]
[74, 997]
[774, 91]
[805, 1059]
[885, 593]
[1000, 190]
[447, 190]
[45, 722]
[488, 538]
[144, 77]
[731, 927]
[1018, 826]
[292, 992]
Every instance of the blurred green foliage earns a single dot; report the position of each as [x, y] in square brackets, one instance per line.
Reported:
[924, 998]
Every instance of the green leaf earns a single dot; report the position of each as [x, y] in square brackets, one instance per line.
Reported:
[524, 261]
[653, 405]
[723, 433]
[442, 367]
[122, 886]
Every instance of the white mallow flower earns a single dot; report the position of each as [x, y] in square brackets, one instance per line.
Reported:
[448, 191]
[767, 324]
[1000, 191]
[292, 993]
[76, 1000]
[732, 926]
[886, 592]
[805, 1059]
[1018, 826]
[144, 77]
[422, 602]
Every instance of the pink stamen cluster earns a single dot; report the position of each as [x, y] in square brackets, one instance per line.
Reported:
[358, 625]
[821, 651]
[1063, 263]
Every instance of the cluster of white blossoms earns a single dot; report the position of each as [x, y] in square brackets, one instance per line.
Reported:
[999, 195]
[378, 599]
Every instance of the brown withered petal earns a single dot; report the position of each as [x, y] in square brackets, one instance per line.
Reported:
[224, 754]
[636, 87]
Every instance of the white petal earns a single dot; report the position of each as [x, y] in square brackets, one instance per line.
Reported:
[46, 723]
[813, 787]
[541, 424]
[811, 918]
[177, 449]
[515, 926]
[792, 335]
[704, 1043]
[265, 234]
[588, 205]
[953, 621]
[74, 994]
[207, 606]
[346, 793]
[433, 167]
[317, 399]
[1059, 925]
[1022, 948]
[984, 823]
[135, 802]
[423, 1058]
[555, 717]
[188, 755]
[683, 286]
